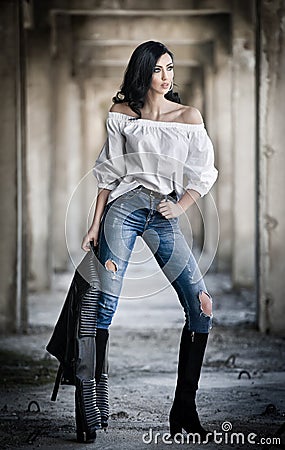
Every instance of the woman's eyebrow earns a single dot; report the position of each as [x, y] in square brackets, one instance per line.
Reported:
[169, 64]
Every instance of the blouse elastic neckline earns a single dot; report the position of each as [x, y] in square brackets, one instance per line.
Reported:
[155, 123]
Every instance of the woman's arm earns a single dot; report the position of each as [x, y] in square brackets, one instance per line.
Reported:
[109, 169]
[93, 231]
[170, 210]
[191, 196]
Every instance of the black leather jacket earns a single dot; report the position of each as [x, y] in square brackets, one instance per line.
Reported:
[63, 342]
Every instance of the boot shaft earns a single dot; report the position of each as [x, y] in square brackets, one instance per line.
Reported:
[191, 355]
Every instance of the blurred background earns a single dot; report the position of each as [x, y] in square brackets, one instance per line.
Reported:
[62, 61]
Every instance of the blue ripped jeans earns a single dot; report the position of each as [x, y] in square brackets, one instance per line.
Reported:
[134, 214]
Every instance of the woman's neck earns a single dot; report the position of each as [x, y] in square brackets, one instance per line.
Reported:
[155, 105]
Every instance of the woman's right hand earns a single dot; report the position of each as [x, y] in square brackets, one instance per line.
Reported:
[92, 235]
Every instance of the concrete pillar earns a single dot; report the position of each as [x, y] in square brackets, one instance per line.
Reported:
[209, 202]
[66, 164]
[222, 136]
[244, 123]
[203, 218]
[39, 151]
[271, 180]
[191, 93]
[13, 307]
[98, 95]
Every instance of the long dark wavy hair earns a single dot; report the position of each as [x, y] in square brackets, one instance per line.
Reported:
[138, 76]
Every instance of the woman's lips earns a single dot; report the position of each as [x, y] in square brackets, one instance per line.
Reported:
[165, 85]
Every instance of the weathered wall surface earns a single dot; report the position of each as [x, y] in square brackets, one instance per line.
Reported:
[39, 156]
[243, 143]
[12, 172]
[271, 183]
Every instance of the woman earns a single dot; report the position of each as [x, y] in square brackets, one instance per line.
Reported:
[153, 142]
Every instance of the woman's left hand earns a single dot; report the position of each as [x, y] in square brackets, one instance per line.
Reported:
[169, 210]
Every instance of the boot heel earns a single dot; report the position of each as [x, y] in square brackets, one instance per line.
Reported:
[85, 438]
[174, 427]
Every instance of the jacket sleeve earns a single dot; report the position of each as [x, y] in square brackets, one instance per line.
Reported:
[199, 168]
[110, 165]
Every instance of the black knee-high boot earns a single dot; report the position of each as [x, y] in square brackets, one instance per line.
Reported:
[183, 414]
[91, 394]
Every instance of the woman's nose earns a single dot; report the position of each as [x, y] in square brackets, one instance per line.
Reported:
[164, 75]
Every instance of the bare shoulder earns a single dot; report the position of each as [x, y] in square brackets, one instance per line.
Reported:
[117, 107]
[122, 108]
[191, 115]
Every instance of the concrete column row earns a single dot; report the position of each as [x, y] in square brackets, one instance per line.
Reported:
[54, 156]
[66, 110]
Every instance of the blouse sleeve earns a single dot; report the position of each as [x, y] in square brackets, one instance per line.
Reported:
[199, 168]
[110, 165]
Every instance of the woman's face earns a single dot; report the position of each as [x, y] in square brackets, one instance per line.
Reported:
[162, 75]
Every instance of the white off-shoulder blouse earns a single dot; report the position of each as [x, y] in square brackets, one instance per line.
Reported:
[161, 156]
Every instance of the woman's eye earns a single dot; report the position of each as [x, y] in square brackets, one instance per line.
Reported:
[157, 69]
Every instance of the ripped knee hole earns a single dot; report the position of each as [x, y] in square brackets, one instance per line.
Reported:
[206, 303]
[111, 266]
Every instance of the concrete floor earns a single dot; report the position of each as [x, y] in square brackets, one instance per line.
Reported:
[143, 359]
